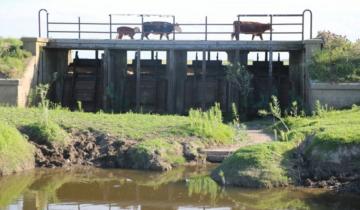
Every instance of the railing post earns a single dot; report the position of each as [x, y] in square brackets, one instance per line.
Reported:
[110, 26]
[142, 27]
[79, 29]
[206, 28]
[174, 26]
[302, 26]
[239, 28]
[47, 25]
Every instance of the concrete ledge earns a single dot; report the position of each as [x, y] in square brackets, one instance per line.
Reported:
[9, 82]
[14, 92]
[337, 95]
[171, 44]
[335, 86]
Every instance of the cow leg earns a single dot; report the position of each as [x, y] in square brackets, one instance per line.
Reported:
[237, 36]
[120, 36]
[161, 35]
[167, 36]
[253, 36]
[260, 35]
[131, 36]
[146, 35]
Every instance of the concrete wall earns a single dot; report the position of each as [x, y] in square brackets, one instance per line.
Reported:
[15, 92]
[337, 95]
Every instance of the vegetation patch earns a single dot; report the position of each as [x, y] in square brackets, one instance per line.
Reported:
[316, 147]
[262, 165]
[338, 61]
[12, 58]
[209, 125]
[46, 133]
[15, 152]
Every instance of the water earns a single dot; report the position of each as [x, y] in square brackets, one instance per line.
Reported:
[184, 188]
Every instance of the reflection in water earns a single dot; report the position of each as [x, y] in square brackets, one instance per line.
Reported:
[184, 188]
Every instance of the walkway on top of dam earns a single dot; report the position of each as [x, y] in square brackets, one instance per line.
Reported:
[96, 44]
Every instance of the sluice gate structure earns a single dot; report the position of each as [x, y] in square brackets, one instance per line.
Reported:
[118, 81]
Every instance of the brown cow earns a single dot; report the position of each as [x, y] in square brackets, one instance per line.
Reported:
[247, 27]
[124, 30]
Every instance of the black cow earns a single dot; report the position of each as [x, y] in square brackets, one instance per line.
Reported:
[158, 27]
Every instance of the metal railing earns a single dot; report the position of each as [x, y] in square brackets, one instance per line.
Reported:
[202, 28]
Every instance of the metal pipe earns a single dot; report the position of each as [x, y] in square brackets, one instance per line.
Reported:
[311, 21]
[39, 19]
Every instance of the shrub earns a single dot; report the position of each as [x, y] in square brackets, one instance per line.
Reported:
[338, 61]
[12, 58]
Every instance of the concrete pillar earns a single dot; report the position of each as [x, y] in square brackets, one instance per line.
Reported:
[310, 48]
[56, 64]
[176, 76]
[138, 80]
[202, 93]
[115, 66]
[35, 46]
[235, 56]
[181, 70]
[296, 72]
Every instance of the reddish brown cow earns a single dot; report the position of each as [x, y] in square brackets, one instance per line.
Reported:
[124, 30]
[247, 27]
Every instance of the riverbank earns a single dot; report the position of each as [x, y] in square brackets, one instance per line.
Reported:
[320, 151]
[62, 138]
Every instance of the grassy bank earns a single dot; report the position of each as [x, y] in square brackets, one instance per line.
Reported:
[329, 142]
[131, 126]
[12, 58]
[157, 142]
[16, 153]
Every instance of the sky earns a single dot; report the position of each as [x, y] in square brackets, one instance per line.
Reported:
[18, 18]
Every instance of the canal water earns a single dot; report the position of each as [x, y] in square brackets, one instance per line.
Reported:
[184, 188]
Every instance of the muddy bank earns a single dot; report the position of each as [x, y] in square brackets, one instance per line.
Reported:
[103, 150]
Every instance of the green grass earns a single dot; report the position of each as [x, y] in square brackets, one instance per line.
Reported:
[130, 125]
[15, 152]
[332, 129]
[262, 165]
[12, 58]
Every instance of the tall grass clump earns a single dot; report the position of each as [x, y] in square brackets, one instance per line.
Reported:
[209, 124]
[45, 131]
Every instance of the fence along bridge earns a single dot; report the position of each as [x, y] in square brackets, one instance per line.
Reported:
[111, 72]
